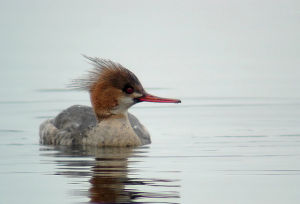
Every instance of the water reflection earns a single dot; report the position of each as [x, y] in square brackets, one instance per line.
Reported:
[112, 174]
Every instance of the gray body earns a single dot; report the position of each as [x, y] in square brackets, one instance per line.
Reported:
[73, 125]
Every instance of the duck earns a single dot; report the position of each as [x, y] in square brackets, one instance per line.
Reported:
[113, 89]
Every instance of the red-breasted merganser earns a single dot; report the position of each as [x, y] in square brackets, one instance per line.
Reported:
[113, 90]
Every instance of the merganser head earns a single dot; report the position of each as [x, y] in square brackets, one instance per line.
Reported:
[113, 88]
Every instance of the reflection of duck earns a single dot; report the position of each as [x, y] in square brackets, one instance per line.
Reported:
[113, 89]
[110, 178]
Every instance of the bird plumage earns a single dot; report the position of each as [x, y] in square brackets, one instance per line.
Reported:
[113, 90]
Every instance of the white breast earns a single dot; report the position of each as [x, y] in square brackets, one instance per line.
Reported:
[115, 131]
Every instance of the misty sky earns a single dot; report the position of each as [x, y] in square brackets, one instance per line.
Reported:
[197, 48]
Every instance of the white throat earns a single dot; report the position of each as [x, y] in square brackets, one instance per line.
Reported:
[123, 104]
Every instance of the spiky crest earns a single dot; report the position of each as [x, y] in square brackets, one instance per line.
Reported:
[104, 69]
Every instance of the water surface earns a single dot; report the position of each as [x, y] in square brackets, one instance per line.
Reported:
[205, 150]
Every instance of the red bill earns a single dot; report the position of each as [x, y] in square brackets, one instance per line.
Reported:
[151, 98]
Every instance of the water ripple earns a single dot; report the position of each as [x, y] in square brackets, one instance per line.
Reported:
[113, 178]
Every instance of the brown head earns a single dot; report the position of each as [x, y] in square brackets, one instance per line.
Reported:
[113, 88]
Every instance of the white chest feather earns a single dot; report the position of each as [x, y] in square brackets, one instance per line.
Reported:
[115, 131]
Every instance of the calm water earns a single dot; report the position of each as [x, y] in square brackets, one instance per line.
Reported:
[205, 150]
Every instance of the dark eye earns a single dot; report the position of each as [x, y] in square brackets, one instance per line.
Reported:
[129, 90]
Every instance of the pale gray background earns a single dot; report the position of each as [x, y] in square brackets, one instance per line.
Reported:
[201, 48]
